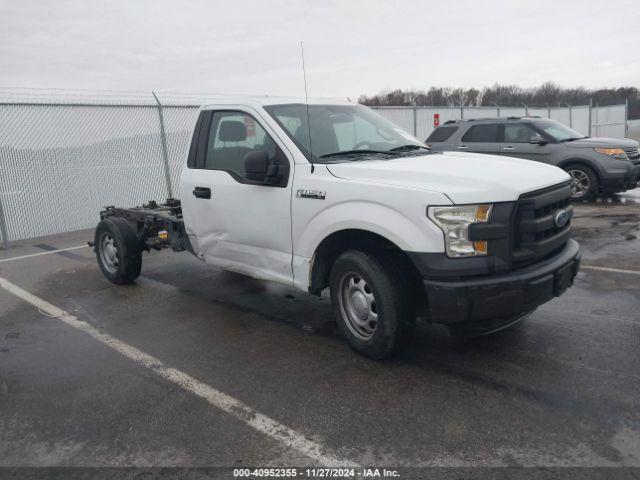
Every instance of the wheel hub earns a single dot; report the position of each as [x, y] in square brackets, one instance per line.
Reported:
[580, 183]
[109, 253]
[358, 306]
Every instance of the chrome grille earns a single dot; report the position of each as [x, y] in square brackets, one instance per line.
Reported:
[633, 154]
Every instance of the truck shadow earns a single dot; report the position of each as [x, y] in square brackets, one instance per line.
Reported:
[314, 315]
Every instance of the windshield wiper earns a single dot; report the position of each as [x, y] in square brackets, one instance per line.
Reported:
[409, 146]
[571, 139]
[347, 153]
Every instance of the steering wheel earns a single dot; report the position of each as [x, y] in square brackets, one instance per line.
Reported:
[359, 145]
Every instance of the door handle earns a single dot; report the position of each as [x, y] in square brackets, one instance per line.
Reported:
[462, 147]
[509, 148]
[202, 192]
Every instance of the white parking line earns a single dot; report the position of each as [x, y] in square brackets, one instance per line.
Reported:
[262, 423]
[49, 252]
[607, 269]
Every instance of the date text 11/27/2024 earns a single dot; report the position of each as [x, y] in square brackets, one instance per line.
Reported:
[364, 472]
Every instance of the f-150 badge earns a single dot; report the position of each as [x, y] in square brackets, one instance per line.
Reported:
[317, 194]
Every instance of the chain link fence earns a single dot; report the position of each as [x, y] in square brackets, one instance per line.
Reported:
[63, 157]
[63, 160]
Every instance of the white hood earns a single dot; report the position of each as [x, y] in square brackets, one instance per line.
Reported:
[463, 177]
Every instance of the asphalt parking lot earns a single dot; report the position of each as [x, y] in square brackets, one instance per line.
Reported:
[188, 366]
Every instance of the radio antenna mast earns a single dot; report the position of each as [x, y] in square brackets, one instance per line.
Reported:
[306, 101]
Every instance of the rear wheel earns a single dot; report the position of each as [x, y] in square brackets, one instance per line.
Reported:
[118, 251]
[584, 182]
[372, 303]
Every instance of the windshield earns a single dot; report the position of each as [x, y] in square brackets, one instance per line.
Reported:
[559, 131]
[341, 131]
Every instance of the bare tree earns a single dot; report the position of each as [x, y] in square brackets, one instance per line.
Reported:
[548, 94]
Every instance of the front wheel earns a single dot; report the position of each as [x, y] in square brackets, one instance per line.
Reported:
[118, 251]
[584, 182]
[372, 303]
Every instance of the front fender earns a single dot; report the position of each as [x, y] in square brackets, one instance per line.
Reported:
[417, 234]
[592, 164]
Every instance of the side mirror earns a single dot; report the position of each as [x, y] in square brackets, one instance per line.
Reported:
[536, 140]
[259, 169]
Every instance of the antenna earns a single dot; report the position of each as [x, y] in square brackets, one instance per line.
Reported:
[306, 101]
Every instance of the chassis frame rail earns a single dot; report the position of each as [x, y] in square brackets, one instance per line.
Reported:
[157, 226]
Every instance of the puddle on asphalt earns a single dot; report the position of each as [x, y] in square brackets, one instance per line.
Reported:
[628, 197]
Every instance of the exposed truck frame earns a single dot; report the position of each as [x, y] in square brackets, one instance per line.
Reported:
[157, 226]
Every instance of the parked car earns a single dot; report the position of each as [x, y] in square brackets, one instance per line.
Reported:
[596, 165]
[333, 195]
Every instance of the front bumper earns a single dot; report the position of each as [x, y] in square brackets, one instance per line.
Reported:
[621, 183]
[490, 301]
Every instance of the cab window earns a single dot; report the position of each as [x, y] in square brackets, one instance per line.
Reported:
[232, 135]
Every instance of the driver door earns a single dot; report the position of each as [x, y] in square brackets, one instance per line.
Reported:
[232, 222]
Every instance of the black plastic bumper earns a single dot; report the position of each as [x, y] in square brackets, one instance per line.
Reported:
[498, 299]
[621, 182]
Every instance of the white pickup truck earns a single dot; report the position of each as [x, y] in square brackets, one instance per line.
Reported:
[331, 195]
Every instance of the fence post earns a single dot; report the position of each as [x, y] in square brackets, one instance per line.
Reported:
[461, 112]
[4, 241]
[415, 121]
[163, 144]
[570, 115]
[626, 116]
[590, 106]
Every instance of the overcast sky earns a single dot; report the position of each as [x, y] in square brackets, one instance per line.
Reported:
[351, 46]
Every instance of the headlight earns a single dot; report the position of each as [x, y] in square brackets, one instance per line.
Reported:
[454, 223]
[616, 153]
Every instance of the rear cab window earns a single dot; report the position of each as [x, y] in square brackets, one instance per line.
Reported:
[441, 134]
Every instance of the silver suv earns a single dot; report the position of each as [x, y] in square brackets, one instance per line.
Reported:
[596, 165]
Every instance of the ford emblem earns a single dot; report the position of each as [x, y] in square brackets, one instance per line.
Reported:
[561, 218]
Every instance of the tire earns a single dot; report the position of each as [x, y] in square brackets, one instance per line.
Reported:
[584, 182]
[118, 251]
[365, 287]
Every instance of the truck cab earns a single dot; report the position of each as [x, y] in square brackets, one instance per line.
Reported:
[328, 194]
